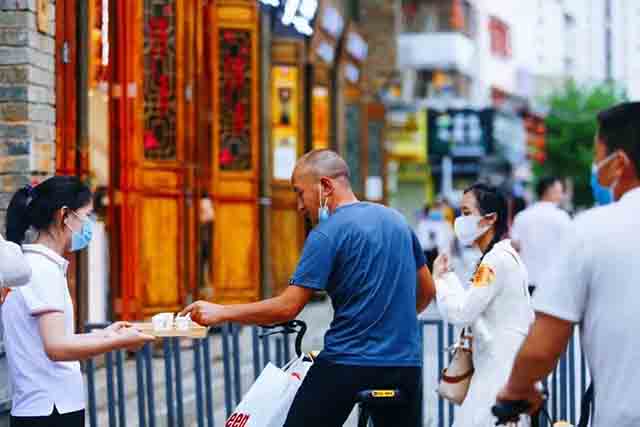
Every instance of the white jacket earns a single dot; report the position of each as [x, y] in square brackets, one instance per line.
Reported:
[496, 306]
[14, 269]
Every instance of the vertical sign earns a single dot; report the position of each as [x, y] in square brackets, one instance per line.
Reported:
[320, 117]
[285, 125]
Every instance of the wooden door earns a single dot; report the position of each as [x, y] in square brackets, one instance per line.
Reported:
[287, 144]
[66, 60]
[235, 155]
[69, 158]
[155, 178]
[320, 108]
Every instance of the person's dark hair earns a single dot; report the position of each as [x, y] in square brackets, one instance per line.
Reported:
[544, 184]
[619, 129]
[426, 209]
[36, 206]
[490, 200]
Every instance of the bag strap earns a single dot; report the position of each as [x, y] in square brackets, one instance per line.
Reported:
[459, 378]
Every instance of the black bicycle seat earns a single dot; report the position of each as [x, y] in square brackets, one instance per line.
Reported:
[380, 396]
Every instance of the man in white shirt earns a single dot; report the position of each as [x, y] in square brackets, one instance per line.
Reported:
[539, 228]
[595, 283]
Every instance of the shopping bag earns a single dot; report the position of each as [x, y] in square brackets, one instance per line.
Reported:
[267, 402]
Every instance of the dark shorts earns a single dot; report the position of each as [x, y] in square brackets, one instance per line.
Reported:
[56, 419]
[328, 394]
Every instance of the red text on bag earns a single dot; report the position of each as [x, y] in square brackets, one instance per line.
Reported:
[237, 420]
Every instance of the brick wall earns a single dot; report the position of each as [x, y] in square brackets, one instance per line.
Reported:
[27, 98]
[377, 23]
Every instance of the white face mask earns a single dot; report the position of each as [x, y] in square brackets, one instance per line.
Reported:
[468, 230]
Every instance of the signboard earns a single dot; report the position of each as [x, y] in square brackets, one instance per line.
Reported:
[510, 137]
[320, 117]
[332, 22]
[407, 134]
[296, 14]
[463, 133]
[353, 55]
[356, 46]
[285, 120]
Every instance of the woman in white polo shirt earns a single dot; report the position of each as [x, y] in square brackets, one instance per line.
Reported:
[42, 347]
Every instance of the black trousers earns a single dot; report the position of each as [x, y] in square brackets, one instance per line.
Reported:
[328, 394]
[56, 419]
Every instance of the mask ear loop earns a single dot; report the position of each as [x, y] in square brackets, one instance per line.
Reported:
[326, 202]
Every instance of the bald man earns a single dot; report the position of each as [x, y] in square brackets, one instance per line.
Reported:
[369, 261]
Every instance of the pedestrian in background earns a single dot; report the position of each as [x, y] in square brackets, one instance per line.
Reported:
[537, 230]
[495, 308]
[41, 346]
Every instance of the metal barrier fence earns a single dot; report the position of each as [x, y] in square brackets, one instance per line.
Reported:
[199, 382]
[565, 385]
[186, 367]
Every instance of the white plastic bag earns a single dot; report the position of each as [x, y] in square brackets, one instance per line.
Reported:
[267, 402]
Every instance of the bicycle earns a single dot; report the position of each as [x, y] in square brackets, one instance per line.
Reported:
[367, 401]
[509, 412]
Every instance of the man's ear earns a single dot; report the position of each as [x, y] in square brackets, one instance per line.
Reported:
[624, 163]
[327, 186]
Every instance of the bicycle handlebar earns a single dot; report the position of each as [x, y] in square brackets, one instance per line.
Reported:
[299, 327]
[507, 412]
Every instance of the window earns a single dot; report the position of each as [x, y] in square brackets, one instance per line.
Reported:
[463, 17]
[500, 38]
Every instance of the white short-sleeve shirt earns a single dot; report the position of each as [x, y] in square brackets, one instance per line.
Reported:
[596, 282]
[38, 382]
[537, 231]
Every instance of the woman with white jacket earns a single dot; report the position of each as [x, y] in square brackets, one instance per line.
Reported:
[495, 306]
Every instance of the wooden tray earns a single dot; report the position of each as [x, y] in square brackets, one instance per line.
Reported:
[196, 331]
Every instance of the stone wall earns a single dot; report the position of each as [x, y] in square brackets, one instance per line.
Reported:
[27, 98]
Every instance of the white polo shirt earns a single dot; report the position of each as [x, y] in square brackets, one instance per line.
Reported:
[38, 382]
[596, 282]
[537, 230]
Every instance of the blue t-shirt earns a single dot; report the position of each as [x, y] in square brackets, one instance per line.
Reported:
[366, 257]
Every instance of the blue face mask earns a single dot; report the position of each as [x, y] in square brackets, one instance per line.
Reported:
[602, 195]
[323, 210]
[436, 215]
[80, 239]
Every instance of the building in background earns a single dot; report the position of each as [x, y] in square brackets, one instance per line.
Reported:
[507, 56]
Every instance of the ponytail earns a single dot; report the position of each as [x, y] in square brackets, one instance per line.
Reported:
[37, 206]
[18, 218]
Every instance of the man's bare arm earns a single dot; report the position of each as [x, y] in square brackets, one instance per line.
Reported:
[426, 289]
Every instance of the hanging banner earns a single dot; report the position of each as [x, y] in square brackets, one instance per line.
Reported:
[285, 120]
